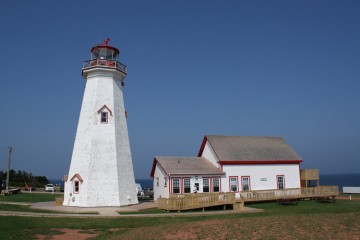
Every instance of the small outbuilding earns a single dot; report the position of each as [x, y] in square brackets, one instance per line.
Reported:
[229, 164]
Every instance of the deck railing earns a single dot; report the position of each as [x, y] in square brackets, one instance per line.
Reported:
[296, 193]
[179, 202]
[105, 63]
[309, 174]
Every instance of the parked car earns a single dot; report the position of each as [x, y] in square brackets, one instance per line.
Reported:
[49, 188]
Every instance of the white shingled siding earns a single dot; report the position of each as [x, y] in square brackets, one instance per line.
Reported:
[210, 155]
[101, 154]
[262, 176]
[160, 188]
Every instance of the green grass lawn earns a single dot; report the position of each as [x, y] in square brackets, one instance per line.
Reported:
[30, 197]
[28, 227]
[146, 211]
[26, 208]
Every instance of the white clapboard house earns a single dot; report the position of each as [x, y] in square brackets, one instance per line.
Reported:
[229, 164]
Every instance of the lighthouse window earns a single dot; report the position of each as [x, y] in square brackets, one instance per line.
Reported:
[76, 187]
[104, 117]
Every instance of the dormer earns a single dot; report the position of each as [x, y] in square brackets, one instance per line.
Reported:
[104, 112]
[76, 181]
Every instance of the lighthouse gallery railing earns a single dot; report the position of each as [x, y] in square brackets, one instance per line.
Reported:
[105, 63]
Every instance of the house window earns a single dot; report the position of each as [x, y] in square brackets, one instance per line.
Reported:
[157, 181]
[104, 117]
[233, 184]
[206, 185]
[216, 184]
[165, 181]
[280, 181]
[76, 187]
[245, 183]
[176, 185]
[187, 188]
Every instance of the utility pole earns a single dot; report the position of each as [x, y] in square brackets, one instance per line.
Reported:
[8, 171]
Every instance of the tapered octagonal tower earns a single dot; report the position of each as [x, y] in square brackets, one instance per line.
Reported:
[101, 171]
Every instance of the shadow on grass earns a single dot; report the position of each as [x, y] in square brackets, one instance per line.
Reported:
[26, 208]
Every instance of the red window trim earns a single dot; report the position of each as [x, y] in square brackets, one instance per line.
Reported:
[107, 118]
[237, 183]
[165, 182]
[242, 182]
[180, 185]
[183, 184]
[277, 181]
[209, 178]
[211, 184]
[76, 181]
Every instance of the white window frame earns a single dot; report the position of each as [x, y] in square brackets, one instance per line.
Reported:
[206, 185]
[213, 184]
[234, 181]
[187, 185]
[280, 181]
[177, 180]
[248, 183]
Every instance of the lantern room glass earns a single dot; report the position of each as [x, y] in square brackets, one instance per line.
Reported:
[104, 53]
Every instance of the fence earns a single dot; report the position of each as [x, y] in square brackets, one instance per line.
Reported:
[179, 202]
[295, 193]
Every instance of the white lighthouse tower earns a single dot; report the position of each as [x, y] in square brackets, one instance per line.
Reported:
[101, 171]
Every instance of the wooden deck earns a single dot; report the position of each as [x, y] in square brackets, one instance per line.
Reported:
[293, 193]
[180, 202]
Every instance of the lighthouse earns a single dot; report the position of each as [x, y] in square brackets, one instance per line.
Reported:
[101, 171]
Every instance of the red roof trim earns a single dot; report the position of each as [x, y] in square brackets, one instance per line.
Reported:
[153, 168]
[106, 107]
[77, 176]
[105, 45]
[202, 146]
[240, 162]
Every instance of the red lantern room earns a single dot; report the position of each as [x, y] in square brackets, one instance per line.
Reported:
[104, 56]
[104, 51]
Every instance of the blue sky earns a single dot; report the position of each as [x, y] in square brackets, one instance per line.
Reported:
[249, 68]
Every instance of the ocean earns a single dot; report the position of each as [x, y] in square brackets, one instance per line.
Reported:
[341, 180]
[145, 183]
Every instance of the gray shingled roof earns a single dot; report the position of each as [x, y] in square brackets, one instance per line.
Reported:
[237, 148]
[187, 165]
